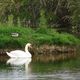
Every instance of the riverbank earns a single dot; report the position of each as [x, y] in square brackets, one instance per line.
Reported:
[44, 41]
[53, 52]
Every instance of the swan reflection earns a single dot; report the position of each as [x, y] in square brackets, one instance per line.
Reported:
[19, 62]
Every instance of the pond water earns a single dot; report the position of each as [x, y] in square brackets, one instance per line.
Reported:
[34, 69]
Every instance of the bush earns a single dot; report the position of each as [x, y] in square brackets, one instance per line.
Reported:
[65, 39]
[42, 39]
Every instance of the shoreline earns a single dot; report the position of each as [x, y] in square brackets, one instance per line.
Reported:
[54, 52]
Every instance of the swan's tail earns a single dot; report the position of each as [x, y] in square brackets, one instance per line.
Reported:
[9, 54]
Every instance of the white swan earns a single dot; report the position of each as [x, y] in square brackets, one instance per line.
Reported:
[19, 53]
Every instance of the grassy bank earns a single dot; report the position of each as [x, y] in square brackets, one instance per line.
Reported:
[39, 37]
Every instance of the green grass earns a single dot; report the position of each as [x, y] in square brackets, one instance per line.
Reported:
[37, 37]
[6, 40]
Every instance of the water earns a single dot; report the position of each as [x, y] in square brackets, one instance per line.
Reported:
[34, 69]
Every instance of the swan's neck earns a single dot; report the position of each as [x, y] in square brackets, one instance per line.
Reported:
[26, 48]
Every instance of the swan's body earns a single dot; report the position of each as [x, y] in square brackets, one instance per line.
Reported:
[20, 53]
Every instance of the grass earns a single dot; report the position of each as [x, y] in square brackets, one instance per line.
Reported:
[37, 37]
[6, 40]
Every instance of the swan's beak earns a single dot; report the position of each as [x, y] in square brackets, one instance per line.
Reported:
[30, 46]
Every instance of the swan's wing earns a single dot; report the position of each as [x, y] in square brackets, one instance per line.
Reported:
[18, 53]
[10, 55]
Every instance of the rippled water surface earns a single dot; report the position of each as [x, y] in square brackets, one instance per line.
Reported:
[33, 69]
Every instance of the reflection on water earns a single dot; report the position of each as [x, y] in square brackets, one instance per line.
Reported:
[34, 69]
[19, 62]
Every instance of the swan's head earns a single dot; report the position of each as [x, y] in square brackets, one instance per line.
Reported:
[28, 45]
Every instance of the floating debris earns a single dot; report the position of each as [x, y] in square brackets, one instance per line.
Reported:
[15, 34]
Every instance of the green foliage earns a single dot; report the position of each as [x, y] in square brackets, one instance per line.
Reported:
[42, 39]
[6, 40]
[53, 37]
[42, 23]
[28, 35]
[42, 30]
[60, 14]
[66, 39]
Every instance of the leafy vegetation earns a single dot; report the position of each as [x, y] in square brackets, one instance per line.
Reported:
[64, 15]
[45, 16]
[33, 36]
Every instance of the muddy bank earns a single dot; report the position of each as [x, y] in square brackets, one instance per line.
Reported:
[45, 49]
[52, 49]
[54, 52]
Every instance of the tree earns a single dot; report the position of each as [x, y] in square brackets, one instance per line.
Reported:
[74, 7]
[42, 23]
[63, 14]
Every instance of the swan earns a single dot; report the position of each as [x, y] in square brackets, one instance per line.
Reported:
[20, 53]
